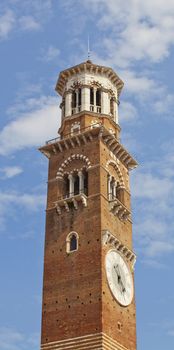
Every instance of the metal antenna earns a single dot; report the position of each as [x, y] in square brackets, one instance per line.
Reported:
[89, 52]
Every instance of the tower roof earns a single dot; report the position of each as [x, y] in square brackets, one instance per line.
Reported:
[89, 67]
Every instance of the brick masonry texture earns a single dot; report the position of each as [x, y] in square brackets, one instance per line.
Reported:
[76, 297]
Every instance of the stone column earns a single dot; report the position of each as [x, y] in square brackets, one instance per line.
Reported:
[77, 101]
[63, 111]
[115, 189]
[116, 111]
[86, 98]
[109, 187]
[81, 182]
[105, 102]
[95, 107]
[71, 185]
[68, 104]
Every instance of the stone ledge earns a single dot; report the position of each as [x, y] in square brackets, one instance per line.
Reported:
[114, 242]
[63, 203]
[98, 341]
[118, 209]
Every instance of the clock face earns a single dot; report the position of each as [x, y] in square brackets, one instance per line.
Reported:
[119, 278]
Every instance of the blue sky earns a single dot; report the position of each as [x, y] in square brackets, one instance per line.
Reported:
[37, 40]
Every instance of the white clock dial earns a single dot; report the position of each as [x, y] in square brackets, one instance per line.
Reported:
[119, 278]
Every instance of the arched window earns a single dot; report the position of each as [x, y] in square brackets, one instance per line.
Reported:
[72, 242]
[112, 188]
[75, 183]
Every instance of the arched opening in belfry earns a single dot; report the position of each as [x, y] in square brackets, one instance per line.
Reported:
[76, 184]
[66, 186]
[98, 97]
[85, 183]
[112, 106]
[91, 99]
[74, 99]
[79, 97]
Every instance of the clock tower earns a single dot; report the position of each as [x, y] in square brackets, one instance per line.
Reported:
[88, 286]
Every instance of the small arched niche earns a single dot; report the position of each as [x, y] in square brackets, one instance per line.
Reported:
[72, 242]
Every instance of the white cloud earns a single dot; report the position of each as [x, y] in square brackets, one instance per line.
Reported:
[29, 23]
[19, 15]
[165, 105]
[154, 264]
[12, 201]
[138, 30]
[7, 23]
[153, 191]
[127, 111]
[139, 84]
[157, 248]
[149, 186]
[10, 171]
[11, 339]
[26, 200]
[50, 54]
[32, 128]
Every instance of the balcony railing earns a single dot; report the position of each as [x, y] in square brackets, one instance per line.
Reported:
[72, 194]
[98, 109]
[76, 109]
[56, 139]
[91, 108]
[67, 201]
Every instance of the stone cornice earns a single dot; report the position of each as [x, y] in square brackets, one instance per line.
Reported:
[89, 134]
[88, 66]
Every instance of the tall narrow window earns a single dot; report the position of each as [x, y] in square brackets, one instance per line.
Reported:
[66, 187]
[98, 97]
[86, 183]
[74, 99]
[80, 97]
[76, 184]
[73, 243]
[91, 96]
[112, 106]
[113, 189]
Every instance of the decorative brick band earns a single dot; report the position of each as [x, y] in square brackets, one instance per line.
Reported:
[69, 160]
[98, 341]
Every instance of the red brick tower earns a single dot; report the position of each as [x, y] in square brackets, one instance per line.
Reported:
[88, 288]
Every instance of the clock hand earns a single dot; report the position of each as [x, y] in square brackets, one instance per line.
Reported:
[117, 273]
[123, 287]
[120, 279]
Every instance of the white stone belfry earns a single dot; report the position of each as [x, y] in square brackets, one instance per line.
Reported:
[89, 87]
